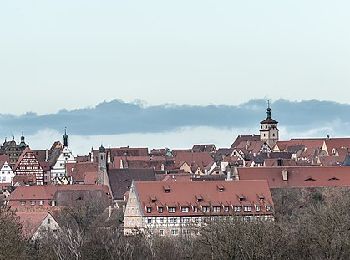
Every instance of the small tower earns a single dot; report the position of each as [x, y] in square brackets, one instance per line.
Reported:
[23, 143]
[65, 138]
[269, 132]
[102, 165]
[102, 160]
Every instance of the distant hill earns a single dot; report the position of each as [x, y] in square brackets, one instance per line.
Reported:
[118, 117]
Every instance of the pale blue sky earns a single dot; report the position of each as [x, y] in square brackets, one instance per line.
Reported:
[77, 53]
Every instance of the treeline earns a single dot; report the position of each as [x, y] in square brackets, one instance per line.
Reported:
[310, 224]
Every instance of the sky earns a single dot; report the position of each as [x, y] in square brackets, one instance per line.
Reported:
[75, 54]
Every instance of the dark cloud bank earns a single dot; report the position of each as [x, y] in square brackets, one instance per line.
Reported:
[118, 117]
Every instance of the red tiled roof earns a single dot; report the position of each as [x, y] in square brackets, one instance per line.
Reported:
[337, 143]
[79, 170]
[48, 192]
[245, 138]
[200, 159]
[181, 194]
[31, 221]
[309, 176]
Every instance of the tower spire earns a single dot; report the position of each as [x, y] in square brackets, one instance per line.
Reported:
[268, 111]
[65, 138]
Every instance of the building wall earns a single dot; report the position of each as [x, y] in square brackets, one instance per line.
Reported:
[6, 173]
[49, 224]
[133, 214]
[59, 169]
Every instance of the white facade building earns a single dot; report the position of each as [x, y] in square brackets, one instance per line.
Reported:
[66, 156]
[6, 173]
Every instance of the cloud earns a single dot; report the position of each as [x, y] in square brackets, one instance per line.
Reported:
[119, 118]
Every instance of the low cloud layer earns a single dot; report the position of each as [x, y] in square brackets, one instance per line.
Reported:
[311, 117]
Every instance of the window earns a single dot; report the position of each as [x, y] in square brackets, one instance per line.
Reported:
[173, 220]
[41, 202]
[268, 208]
[247, 208]
[238, 208]
[23, 203]
[186, 220]
[149, 221]
[227, 208]
[185, 209]
[161, 232]
[172, 209]
[32, 203]
[161, 220]
[174, 232]
[149, 209]
[160, 209]
[216, 209]
[205, 209]
[49, 221]
[195, 209]
[257, 208]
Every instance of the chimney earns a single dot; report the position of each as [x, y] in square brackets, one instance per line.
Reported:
[47, 155]
[229, 176]
[284, 175]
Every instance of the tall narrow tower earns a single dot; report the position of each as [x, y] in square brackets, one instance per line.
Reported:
[102, 166]
[65, 138]
[269, 132]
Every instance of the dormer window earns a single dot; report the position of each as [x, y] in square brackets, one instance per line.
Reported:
[242, 198]
[268, 208]
[148, 209]
[199, 198]
[257, 208]
[160, 209]
[221, 188]
[247, 208]
[237, 208]
[310, 179]
[334, 179]
[185, 209]
[167, 189]
[153, 199]
[172, 209]
[205, 208]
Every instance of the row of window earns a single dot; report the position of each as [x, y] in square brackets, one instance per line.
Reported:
[215, 209]
[36, 202]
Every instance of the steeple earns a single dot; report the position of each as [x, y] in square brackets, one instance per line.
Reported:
[65, 138]
[268, 111]
[23, 143]
[269, 132]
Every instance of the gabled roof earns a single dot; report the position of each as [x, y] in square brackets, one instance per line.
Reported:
[200, 159]
[31, 221]
[298, 176]
[245, 138]
[78, 171]
[120, 179]
[196, 193]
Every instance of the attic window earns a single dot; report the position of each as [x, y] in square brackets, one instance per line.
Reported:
[160, 209]
[167, 189]
[199, 198]
[261, 197]
[334, 179]
[221, 188]
[153, 199]
[149, 209]
[310, 179]
[242, 198]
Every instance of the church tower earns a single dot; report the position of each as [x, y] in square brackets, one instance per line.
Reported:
[269, 132]
[102, 166]
[65, 138]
